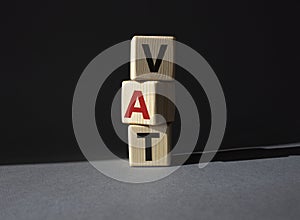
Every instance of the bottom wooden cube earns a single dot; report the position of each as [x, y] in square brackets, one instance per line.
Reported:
[149, 145]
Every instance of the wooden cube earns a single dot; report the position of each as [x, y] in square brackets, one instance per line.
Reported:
[154, 55]
[149, 145]
[142, 103]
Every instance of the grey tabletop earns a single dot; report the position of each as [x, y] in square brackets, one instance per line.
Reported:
[254, 189]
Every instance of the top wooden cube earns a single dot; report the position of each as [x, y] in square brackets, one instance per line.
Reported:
[152, 58]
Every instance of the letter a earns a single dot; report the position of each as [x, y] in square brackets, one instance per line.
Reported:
[142, 109]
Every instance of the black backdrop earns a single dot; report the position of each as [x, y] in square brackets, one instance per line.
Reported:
[253, 46]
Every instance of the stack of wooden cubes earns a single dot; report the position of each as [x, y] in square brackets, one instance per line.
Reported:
[151, 74]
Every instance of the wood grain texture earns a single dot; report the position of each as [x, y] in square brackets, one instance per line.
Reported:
[139, 67]
[160, 145]
[160, 109]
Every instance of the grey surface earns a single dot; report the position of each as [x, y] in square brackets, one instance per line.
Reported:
[256, 189]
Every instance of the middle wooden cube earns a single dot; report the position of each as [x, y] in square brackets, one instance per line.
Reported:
[145, 103]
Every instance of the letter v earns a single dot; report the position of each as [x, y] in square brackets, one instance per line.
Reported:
[154, 67]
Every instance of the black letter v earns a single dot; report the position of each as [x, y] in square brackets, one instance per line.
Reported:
[154, 67]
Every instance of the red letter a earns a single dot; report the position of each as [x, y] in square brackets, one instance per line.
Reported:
[142, 109]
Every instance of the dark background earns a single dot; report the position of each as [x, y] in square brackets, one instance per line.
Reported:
[253, 46]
